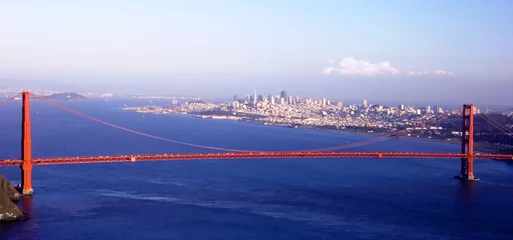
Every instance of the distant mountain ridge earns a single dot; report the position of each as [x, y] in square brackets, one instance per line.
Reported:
[66, 97]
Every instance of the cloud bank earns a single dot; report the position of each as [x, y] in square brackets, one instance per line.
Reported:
[351, 66]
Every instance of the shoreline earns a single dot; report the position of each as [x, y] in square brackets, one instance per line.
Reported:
[488, 147]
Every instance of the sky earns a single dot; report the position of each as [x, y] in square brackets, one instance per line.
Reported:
[413, 51]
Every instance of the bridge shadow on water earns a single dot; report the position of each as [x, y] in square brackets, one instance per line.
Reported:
[466, 195]
[467, 204]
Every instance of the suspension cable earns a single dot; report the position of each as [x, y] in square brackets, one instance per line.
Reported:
[375, 140]
[497, 125]
[340, 147]
[9, 99]
[131, 130]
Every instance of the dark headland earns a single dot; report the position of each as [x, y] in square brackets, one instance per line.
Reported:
[8, 210]
[66, 97]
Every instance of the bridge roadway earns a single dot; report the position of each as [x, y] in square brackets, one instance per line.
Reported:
[244, 155]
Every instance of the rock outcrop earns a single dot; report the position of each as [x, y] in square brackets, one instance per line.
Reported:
[8, 210]
[66, 97]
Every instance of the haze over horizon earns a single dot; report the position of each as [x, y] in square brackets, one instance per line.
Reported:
[412, 51]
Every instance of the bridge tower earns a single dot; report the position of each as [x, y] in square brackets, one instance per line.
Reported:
[467, 144]
[26, 147]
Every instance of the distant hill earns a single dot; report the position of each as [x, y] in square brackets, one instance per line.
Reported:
[66, 97]
[485, 132]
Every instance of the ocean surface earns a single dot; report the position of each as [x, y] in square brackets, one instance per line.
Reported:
[241, 199]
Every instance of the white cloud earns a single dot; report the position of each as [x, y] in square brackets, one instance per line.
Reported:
[330, 70]
[351, 66]
[436, 72]
[442, 72]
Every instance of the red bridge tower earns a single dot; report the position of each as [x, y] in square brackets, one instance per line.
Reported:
[467, 144]
[26, 147]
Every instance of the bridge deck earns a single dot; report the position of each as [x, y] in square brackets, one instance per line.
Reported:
[246, 155]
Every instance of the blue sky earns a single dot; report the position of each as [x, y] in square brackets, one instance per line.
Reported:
[381, 50]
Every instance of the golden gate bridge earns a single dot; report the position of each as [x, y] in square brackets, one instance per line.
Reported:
[466, 155]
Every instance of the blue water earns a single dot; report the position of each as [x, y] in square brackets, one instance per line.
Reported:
[242, 199]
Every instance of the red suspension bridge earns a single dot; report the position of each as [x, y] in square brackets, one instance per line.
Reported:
[26, 162]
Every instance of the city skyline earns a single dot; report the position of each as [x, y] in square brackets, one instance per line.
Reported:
[282, 98]
[395, 51]
[254, 97]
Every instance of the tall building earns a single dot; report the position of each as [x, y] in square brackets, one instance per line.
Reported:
[323, 102]
[340, 104]
[235, 98]
[365, 105]
[271, 99]
[401, 107]
[283, 95]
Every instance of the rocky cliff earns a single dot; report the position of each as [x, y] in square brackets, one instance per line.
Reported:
[8, 210]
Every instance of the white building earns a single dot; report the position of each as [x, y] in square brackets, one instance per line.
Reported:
[323, 102]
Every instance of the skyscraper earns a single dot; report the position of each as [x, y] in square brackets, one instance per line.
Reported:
[252, 100]
[365, 105]
[437, 109]
[283, 95]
